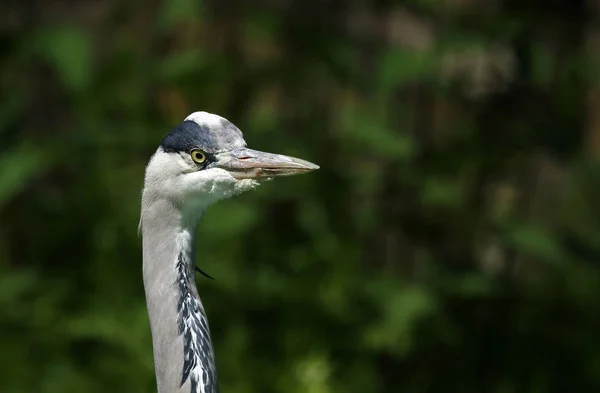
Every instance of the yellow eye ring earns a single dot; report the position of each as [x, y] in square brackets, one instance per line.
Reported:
[198, 156]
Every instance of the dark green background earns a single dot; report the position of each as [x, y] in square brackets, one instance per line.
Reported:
[450, 241]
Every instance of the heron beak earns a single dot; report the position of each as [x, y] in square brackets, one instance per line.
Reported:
[244, 163]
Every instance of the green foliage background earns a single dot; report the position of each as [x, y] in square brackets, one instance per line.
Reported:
[450, 241]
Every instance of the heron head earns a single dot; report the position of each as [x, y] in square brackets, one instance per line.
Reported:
[205, 159]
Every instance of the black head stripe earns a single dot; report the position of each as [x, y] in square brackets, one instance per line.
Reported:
[189, 135]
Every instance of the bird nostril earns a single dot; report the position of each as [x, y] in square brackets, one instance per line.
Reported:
[244, 158]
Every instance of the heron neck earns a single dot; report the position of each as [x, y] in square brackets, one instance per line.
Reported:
[183, 352]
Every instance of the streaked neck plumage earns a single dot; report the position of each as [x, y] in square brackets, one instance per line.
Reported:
[183, 353]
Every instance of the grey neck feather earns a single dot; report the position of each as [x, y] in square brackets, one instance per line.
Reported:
[183, 352]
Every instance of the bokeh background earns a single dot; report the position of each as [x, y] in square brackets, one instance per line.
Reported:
[450, 241]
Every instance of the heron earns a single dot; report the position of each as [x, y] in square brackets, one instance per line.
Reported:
[201, 161]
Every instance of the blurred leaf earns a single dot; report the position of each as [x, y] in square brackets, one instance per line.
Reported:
[543, 66]
[69, 50]
[473, 285]
[181, 64]
[14, 285]
[404, 66]
[403, 310]
[366, 133]
[535, 241]
[442, 192]
[313, 374]
[17, 168]
[229, 218]
[175, 11]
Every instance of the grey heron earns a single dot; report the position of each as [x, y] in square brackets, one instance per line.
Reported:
[203, 160]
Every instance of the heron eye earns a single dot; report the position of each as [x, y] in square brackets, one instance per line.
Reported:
[198, 156]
